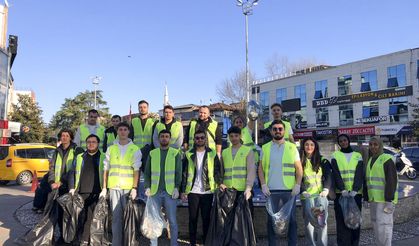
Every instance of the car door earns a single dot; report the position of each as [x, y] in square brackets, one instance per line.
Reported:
[415, 157]
[38, 160]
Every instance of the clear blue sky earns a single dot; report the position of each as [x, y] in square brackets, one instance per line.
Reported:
[191, 44]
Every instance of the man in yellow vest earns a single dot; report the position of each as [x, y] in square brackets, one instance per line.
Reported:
[348, 175]
[239, 166]
[381, 191]
[92, 127]
[111, 132]
[86, 178]
[170, 123]
[276, 110]
[280, 174]
[60, 167]
[142, 126]
[162, 180]
[201, 176]
[214, 134]
[121, 174]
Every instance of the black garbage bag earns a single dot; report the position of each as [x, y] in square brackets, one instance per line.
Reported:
[133, 214]
[41, 193]
[351, 213]
[72, 206]
[43, 233]
[315, 210]
[100, 233]
[221, 212]
[242, 230]
[281, 218]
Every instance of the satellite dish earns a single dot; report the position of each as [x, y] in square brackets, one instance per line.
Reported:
[254, 110]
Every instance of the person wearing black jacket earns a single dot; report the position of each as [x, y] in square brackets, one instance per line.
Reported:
[199, 183]
[210, 126]
[348, 176]
[317, 181]
[60, 166]
[111, 132]
[85, 178]
[380, 190]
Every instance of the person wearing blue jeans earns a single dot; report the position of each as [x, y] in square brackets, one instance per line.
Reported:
[162, 180]
[280, 171]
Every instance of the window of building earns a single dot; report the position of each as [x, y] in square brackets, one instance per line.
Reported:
[370, 109]
[301, 115]
[345, 85]
[300, 92]
[264, 103]
[320, 89]
[369, 81]
[322, 117]
[398, 111]
[396, 76]
[281, 95]
[346, 115]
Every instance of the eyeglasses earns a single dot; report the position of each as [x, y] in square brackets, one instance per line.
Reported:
[275, 129]
[200, 138]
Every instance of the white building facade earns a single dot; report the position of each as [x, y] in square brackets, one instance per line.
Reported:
[374, 96]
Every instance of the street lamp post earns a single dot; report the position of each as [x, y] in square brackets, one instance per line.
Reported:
[95, 81]
[247, 7]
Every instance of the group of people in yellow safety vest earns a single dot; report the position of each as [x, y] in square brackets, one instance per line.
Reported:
[191, 165]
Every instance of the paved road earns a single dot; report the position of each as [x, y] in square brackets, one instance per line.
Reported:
[12, 197]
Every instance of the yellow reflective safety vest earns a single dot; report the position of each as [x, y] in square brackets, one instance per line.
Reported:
[110, 138]
[191, 170]
[312, 180]
[212, 128]
[169, 170]
[174, 130]
[79, 166]
[59, 164]
[235, 170]
[121, 172]
[84, 133]
[376, 181]
[288, 163]
[347, 170]
[287, 128]
[142, 136]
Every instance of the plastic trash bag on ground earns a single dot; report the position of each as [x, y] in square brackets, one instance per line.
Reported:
[133, 214]
[72, 206]
[153, 223]
[43, 233]
[242, 230]
[281, 218]
[351, 213]
[100, 227]
[41, 193]
[315, 210]
[222, 211]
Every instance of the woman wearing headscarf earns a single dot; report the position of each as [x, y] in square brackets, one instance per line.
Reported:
[316, 182]
[348, 176]
[381, 191]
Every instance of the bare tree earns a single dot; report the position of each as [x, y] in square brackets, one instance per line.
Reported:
[277, 64]
[233, 89]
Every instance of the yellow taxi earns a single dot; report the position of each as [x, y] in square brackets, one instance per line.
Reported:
[20, 161]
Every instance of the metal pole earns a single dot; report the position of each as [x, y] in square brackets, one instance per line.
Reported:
[95, 96]
[247, 68]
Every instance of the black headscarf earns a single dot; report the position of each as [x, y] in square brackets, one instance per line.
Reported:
[349, 148]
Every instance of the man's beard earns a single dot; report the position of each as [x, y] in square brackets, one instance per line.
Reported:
[200, 145]
[278, 137]
[164, 144]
